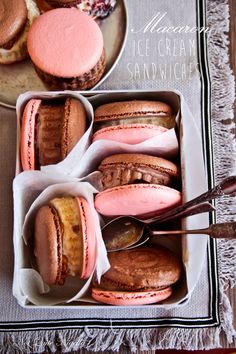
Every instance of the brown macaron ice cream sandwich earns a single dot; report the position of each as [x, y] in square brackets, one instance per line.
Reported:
[64, 240]
[94, 8]
[133, 121]
[50, 129]
[139, 276]
[137, 184]
[16, 17]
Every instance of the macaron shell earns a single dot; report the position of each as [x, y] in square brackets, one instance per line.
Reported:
[136, 199]
[130, 133]
[48, 247]
[57, 43]
[134, 108]
[122, 298]
[150, 268]
[89, 238]
[28, 134]
[73, 126]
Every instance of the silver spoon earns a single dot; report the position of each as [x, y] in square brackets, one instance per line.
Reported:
[223, 230]
[124, 231]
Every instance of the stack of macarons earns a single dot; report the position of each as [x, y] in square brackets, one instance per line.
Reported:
[16, 17]
[66, 47]
[132, 122]
[49, 131]
[137, 184]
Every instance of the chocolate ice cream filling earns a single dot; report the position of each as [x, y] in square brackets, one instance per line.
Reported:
[109, 284]
[48, 134]
[117, 175]
[166, 121]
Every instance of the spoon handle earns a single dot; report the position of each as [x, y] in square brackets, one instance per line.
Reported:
[223, 230]
[225, 187]
[197, 209]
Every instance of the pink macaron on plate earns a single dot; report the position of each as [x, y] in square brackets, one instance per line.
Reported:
[114, 29]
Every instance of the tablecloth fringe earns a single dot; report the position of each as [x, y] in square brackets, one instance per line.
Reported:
[222, 103]
[115, 340]
[224, 147]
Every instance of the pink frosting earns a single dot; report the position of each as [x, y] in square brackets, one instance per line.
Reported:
[65, 42]
[136, 199]
[130, 133]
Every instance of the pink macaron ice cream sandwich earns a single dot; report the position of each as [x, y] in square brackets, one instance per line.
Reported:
[67, 49]
[49, 130]
[132, 122]
[138, 185]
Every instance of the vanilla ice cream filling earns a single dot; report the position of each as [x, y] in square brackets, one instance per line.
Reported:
[163, 120]
[72, 233]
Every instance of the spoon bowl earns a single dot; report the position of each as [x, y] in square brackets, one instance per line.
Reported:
[126, 231]
[122, 232]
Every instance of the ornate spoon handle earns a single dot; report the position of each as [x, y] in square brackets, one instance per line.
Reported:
[225, 187]
[224, 230]
[196, 209]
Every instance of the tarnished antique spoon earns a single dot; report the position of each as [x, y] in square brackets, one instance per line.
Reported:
[223, 230]
[124, 231]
